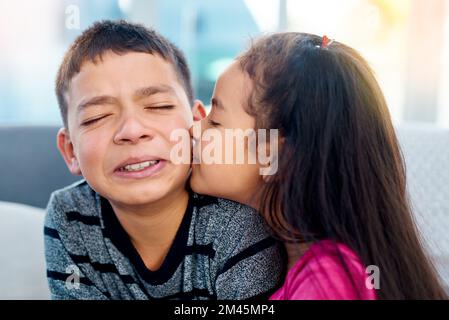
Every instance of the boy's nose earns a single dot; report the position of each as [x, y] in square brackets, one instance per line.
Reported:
[132, 131]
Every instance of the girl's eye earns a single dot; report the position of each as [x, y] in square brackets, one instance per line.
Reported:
[213, 123]
[92, 121]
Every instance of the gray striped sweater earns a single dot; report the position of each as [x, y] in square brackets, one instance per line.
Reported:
[221, 251]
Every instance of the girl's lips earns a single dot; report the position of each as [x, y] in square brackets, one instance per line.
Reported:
[140, 174]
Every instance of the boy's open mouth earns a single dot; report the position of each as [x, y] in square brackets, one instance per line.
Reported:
[136, 168]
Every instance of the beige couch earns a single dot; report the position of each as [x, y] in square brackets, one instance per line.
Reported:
[22, 263]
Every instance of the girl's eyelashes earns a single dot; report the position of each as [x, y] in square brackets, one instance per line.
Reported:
[213, 123]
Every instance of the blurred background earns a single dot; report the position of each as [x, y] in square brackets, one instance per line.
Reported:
[405, 41]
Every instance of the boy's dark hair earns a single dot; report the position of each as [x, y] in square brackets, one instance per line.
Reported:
[120, 37]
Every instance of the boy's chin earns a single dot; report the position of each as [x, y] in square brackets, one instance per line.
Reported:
[131, 199]
[140, 194]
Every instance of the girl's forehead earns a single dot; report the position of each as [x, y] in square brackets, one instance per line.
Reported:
[232, 71]
[235, 80]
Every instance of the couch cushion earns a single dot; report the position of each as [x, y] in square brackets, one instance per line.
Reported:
[22, 260]
[426, 153]
[31, 166]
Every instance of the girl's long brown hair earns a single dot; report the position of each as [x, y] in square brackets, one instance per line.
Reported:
[340, 174]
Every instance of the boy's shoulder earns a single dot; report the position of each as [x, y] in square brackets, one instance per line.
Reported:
[74, 196]
[216, 219]
[77, 198]
[225, 218]
[223, 207]
[219, 210]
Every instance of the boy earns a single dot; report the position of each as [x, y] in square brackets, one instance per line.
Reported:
[131, 229]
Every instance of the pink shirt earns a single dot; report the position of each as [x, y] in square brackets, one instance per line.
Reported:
[319, 275]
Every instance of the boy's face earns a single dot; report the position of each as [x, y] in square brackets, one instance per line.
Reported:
[121, 112]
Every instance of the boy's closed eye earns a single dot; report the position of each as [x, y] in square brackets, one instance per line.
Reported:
[96, 119]
[93, 120]
[160, 107]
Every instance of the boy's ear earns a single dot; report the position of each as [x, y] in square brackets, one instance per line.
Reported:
[65, 147]
[198, 110]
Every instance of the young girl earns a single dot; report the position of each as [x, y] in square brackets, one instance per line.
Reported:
[338, 198]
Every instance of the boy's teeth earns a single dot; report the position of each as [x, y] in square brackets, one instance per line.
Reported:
[140, 166]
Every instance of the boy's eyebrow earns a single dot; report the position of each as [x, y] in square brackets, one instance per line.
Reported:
[96, 101]
[151, 90]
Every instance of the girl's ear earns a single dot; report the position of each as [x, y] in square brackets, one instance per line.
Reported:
[198, 110]
[65, 147]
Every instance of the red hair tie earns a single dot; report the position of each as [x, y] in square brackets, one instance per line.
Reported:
[325, 42]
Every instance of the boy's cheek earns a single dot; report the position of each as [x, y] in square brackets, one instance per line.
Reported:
[179, 122]
[89, 156]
